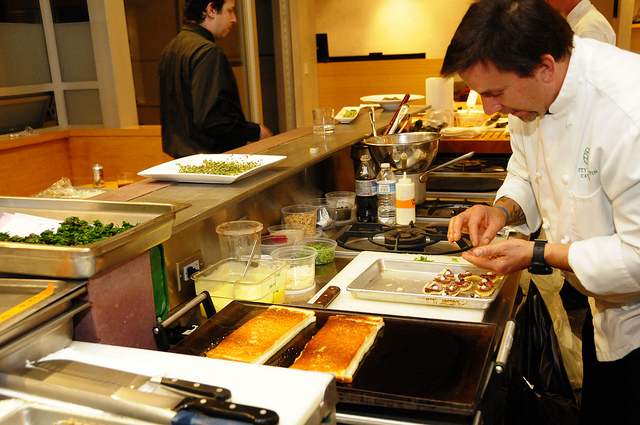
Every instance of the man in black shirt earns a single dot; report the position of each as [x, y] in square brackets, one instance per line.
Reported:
[199, 99]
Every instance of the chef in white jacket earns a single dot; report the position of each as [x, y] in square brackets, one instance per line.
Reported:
[575, 171]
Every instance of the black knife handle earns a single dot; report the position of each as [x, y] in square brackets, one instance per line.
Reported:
[225, 409]
[197, 388]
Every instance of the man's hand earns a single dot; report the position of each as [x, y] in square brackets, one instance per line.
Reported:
[265, 132]
[502, 257]
[481, 222]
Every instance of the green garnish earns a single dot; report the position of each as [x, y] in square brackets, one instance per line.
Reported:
[72, 231]
[223, 168]
[423, 258]
[350, 113]
[325, 255]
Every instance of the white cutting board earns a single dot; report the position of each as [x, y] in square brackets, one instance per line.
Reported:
[294, 394]
[346, 301]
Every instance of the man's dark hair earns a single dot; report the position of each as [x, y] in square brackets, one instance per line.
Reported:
[512, 34]
[194, 10]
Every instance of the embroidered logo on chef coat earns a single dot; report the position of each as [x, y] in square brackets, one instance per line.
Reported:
[584, 172]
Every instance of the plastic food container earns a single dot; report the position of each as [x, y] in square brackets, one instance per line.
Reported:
[326, 249]
[292, 232]
[269, 243]
[342, 206]
[237, 238]
[469, 118]
[301, 271]
[301, 214]
[264, 282]
[324, 218]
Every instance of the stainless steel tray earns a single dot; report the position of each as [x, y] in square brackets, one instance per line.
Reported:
[155, 224]
[14, 292]
[402, 281]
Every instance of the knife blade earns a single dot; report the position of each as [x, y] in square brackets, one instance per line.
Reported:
[103, 394]
[143, 383]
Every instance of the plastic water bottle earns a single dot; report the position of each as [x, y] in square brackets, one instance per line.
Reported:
[386, 185]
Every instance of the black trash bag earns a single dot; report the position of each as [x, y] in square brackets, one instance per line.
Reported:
[539, 389]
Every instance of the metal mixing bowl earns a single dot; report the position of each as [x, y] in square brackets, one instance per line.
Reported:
[410, 152]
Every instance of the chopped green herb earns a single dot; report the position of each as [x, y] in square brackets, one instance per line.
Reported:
[224, 168]
[325, 254]
[72, 231]
[423, 258]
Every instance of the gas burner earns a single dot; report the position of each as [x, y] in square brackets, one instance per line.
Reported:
[419, 239]
[444, 208]
[469, 165]
[406, 237]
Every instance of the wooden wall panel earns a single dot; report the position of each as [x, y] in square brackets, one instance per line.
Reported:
[344, 83]
[27, 170]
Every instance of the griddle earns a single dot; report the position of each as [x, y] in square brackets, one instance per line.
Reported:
[415, 364]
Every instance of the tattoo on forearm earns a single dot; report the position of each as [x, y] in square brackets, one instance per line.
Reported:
[516, 216]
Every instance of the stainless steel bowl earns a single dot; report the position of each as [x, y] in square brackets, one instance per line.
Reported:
[410, 152]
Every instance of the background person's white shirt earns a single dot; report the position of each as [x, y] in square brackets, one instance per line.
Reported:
[587, 22]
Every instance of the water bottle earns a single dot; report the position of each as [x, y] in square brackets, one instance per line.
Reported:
[386, 185]
[366, 190]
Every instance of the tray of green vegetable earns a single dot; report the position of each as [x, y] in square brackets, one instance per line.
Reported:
[95, 236]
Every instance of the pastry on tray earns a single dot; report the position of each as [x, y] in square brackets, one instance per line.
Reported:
[264, 335]
[485, 288]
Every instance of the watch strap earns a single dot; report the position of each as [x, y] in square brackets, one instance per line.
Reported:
[538, 263]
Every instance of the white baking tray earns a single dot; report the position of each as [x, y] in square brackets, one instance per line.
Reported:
[403, 280]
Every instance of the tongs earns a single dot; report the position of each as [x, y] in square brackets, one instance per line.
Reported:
[400, 118]
[394, 120]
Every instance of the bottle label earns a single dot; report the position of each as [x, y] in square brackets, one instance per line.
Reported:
[405, 203]
[366, 188]
[386, 188]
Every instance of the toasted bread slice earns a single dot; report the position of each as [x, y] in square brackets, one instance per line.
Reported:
[261, 337]
[339, 346]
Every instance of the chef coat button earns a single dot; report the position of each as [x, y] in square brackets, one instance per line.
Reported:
[565, 240]
[538, 175]
[565, 179]
[545, 226]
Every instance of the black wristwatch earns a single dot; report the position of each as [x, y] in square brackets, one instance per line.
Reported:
[538, 265]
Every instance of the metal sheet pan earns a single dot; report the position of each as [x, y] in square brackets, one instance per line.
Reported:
[80, 262]
[416, 364]
[16, 291]
[402, 281]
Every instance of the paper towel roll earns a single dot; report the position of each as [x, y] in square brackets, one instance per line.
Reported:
[439, 93]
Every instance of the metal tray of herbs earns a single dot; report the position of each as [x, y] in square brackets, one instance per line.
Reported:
[402, 281]
[154, 226]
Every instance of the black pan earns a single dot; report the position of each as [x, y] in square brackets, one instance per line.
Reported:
[416, 364]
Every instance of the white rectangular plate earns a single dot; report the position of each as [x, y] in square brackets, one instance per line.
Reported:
[346, 120]
[170, 170]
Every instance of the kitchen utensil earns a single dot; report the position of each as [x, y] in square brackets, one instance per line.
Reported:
[423, 177]
[92, 390]
[327, 296]
[410, 152]
[372, 120]
[400, 118]
[253, 250]
[396, 115]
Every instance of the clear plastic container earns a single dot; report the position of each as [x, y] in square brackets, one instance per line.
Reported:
[386, 186]
[293, 232]
[264, 282]
[269, 243]
[301, 273]
[324, 218]
[237, 238]
[342, 204]
[326, 249]
[301, 214]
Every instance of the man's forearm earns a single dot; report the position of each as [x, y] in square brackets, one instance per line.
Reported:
[515, 215]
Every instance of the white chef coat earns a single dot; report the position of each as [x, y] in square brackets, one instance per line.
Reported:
[576, 172]
[587, 22]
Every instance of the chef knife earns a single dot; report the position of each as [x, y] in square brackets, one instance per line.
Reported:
[128, 401]
[121, 378]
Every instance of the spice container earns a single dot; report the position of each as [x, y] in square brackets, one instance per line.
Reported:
[264, 282]
[326, 249]
[343, 205]
[324, 219]
[237, 238]
[301, 271]
[301, 214]
[291, 232]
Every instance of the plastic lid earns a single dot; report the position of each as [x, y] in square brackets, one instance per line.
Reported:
[365, 157]
[240, 227]
[385, 165]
